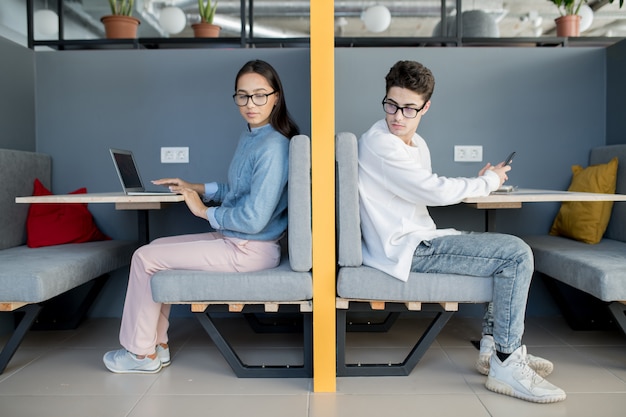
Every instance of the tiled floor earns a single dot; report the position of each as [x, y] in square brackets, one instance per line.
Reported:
[60, 373]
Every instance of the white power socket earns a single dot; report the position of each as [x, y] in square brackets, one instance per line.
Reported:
[175, 155]
[468, 153]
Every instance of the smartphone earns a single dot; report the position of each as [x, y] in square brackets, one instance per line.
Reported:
[509, 159]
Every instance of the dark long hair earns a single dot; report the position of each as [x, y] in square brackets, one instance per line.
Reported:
[279, 118]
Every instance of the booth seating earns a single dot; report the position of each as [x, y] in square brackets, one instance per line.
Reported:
[595, 269]
[288, 288]
[361, 288]
[29, 277]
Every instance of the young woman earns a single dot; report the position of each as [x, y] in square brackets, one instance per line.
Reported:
[248, 224]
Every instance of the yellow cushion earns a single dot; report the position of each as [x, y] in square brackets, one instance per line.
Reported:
[587, 220]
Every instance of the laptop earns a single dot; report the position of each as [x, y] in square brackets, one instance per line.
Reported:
[128, 174]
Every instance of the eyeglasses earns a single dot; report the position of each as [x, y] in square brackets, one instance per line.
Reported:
[258, 98]
[408, 112]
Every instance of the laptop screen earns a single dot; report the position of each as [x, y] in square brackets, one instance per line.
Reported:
[127, 169]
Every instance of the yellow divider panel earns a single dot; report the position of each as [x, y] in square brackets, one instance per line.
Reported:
[323, 193]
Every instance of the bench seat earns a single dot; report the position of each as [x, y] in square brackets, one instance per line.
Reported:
[280, 285]
[368, 283]
[35, 275]
[288, 288]
[599, 270]
[31, 278]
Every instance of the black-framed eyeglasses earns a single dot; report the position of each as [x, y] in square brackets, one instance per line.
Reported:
[259, 99]
[408, 112]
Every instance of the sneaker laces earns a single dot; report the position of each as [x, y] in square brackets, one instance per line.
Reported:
[526, 372]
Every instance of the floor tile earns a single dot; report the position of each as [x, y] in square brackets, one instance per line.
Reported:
[73, 372]
[223, 405]
[324, 405]
[204, 371]
[576, 405]
[434, 374]
[67, 406]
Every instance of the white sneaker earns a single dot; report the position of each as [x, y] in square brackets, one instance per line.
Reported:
[514, 377]
[122, 361]
[164, 355]
[542, 366]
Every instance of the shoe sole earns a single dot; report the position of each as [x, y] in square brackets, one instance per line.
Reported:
[505, 389]
[135, 371]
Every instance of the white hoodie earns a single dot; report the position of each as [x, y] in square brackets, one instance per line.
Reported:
[396, 184]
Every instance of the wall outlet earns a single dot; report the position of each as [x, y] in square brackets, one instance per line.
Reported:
[175, 155]
[468, 153]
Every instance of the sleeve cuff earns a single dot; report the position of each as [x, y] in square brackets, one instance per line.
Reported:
[210, 189]
[210, 216]
[493, 180]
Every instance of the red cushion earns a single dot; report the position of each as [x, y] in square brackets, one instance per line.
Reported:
[57, 224]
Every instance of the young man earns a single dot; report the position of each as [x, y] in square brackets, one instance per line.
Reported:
[396, 185]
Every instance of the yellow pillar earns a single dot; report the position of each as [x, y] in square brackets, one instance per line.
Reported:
[323, 193]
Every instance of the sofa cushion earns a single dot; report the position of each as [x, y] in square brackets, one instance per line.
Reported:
[587, 220]
[276, 284]
[347, 201]
[299, 205]
[35, 275]
[371, 284]
[18, 170]
[58, 224]
[599, 270]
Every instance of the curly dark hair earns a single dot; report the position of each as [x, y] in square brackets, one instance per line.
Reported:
[280, 118]
[412, 76]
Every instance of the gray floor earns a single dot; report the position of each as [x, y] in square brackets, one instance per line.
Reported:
[60, 373]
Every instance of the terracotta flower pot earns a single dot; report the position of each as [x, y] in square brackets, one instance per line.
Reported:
[205, 30]
[120, 27]
[568, 25]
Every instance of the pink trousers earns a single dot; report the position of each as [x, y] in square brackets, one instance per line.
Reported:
[145, 322]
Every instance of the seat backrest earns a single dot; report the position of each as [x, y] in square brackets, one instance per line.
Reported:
[601, 155]
[18, 170]
[347, 200]
[299, 204]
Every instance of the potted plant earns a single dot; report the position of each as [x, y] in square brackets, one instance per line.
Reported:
[206, 28]
[568, 23]
[120, 24]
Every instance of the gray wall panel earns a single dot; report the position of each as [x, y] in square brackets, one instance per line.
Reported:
[17, 96]
[616, 94]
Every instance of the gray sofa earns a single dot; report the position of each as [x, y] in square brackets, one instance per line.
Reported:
[598, 269]
[31, 276]
[361, 288]
[288, 288]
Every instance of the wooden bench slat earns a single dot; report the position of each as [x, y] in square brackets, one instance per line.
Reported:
[450, 306]
[11, 306]
[414, 305]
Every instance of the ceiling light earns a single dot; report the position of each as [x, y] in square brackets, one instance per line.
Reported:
[46, 22]
[376, 18]
[172, 19]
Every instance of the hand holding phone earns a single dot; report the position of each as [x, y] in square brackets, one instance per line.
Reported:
[509, 159]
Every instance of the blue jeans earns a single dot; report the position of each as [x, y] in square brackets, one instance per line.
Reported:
[506, 258]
